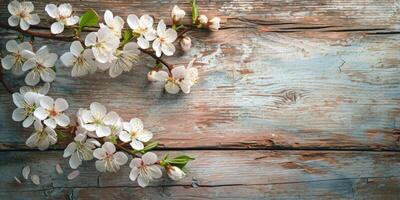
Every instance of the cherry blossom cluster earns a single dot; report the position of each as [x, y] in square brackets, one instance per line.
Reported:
[113, 46]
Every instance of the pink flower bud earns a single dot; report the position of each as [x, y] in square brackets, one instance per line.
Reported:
[214, 23]
[186, 43]
[151, 75]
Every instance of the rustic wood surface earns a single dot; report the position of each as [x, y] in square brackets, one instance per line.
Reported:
[315, 82]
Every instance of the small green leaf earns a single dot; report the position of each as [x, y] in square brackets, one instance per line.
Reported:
[89, 18]
[179, 161]
[149, 147]
[127, 36]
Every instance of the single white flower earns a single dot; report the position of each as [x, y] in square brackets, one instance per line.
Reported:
[135, 134]
[39, 90]
[52, 112]
[124, 59]
[41, 138]
[186, 43]
[103, 43]
[109, 160]
[97, 119]
[63, 15]
[116, 125]
[164, 40]
[115, 24]
[177, 14]
[202, 19]
[182, 78]
[26, 105]
[144, 28]
[80, 149]
[214, 24]
[175, 173]
[40, 65]
[80, 59]
[21, 14]
[15, 60]
[145, 169]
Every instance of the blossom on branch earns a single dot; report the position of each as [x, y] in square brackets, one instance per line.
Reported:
[63, 15]
[115, 24]
[40, 65]
[142, 27]
[108, 159]
[145, 169]
[103, 43]
[124, 59]
[80, 149]
[97, 119]
[135, 134]
[15, 60]
[52, 112]
[80, 59]
[21, 14]
[164, 40]
[42, 138]
[26, 105]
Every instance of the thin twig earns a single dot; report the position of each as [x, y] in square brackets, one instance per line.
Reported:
[48, 35]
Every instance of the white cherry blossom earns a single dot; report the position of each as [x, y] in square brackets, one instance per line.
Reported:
[63, 15]
[108, 159]
[164, 40]
[97, 119]
[80, 59]
[26, 105]
[135, 134]
[40, 66]
[145, 169]
[39, 90]
[115, 24]
[175, 173]
[14, 60]
[144, 28]
[103, 43]
[214, 23]
[124, 59]
[177, 14]
[21, 14]
[52, 112]
[186, 43]
[80, 149]
[42, 138]
[182, 78]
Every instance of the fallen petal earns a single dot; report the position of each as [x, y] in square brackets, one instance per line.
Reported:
[73, 174]
[17, 179]
[25, 172]
[35, 179]
[59, 169]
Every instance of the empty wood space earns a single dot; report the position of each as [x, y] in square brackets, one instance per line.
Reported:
[296, 100]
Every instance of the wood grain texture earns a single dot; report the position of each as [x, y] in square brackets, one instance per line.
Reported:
[219, 174]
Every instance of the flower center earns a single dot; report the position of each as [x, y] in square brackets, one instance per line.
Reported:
[52, 112]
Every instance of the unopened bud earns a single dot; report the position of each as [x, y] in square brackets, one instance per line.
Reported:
[202, 19]
[177, 14]
[151, 75]
[186, 43]
[214, 23]
[175, 173]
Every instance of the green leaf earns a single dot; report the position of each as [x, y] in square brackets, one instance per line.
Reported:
[127, 36]
[195, 11]
[149, 147]
[89, 18]
[179, 161]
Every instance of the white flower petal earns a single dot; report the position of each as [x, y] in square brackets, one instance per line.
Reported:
[76, 48]
[170, 35]
[161, 28]
[73, 174]
[146, 21]
[161, 75]
[18, 114]
[144, 136]
[171, 87]
[99, 153]
[157, 47]
[108, 17]
[103, 131]
[68, 59]
[47, 102]
[143, 181]
[143, 43]
[98, 109]
[35, 179]
[91, 39]
[72, 20]
[50, 123]
[62, 120]
[27, 6]
[74, 161]
[111, 118]
[48, 75]
[14, 7]
[135, 163]
[34, 19]
[52, 10]
[23, 24]
[155, 171]
[32, 78]
[12, 46]
[124, 136]
[18, 100]
[61, 104]
[57, 28]
[136, 125]
[59, 169]
[168, 49]
[50, 60]
[149, 158]
[179, 72]
[28, 121]
[41, 113]
[109, 147]
[137, 145]
[133, 21]
[133, 174]
[115, 70]
[69, 150]
[29, 64]
[8, 62]
[65, 9]
[25, 172]
[13, 20]
[120, 158]
[100, 166]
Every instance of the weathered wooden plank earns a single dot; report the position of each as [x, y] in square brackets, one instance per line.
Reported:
[212, 168]
[257, 90]
[274, 15]
[373, 188]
